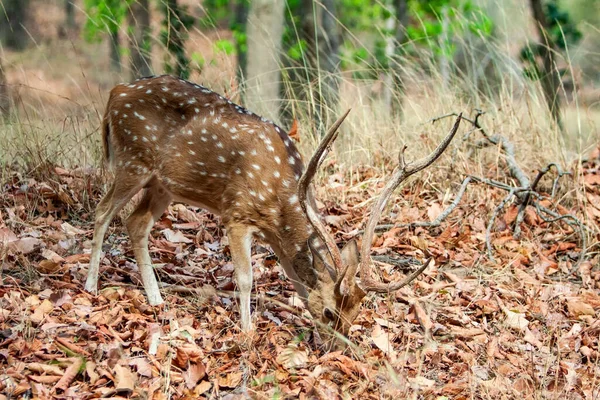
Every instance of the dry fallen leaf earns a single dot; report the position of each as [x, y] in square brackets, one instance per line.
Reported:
[124, 379]
[41, 311]
[422, 316]
[231, 380]
[515, 320]
[70, 230]
[69, 375]
[382, 340]
[292, 357]
[193, 374]
[176, 236]
[577, 308]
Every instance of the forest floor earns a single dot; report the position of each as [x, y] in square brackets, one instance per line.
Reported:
[521, 326]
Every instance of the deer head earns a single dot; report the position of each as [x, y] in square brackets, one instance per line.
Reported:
[335, 301]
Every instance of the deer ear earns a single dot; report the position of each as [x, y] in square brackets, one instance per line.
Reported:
[319, 262]
[350, 254]
[350, 258]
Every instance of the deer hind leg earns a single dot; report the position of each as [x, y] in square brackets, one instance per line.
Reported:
[119, 193]
[240, 243]
[140, 222]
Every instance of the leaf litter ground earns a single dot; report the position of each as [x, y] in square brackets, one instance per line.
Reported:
[519, 327]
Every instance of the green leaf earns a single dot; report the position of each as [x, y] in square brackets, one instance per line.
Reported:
[224, 46]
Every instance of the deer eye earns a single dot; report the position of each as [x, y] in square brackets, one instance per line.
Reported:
[328, 313]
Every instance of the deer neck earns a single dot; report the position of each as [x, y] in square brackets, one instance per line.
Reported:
[290, 242]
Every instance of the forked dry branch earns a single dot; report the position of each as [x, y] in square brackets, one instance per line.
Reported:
[525, 192]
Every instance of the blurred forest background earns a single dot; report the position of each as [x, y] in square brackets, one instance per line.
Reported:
[510, 308]
[535, 65]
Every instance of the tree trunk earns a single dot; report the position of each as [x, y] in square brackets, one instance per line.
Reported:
[115, 51]
[390, 52]
[13, 14]
[444, 56]
[319, 72]
[241, 18]
[4, 99]
[550, 77]
[329, 60]
[401, 8]
[264, 33]
[70, 14]
[175, 42]
[139, 39]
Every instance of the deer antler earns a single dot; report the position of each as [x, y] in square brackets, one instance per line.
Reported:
[402, 172]
[304, 187]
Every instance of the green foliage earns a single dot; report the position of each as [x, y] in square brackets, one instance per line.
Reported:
[433, 25]
[561, 27]
[561, 30]
[224, 46]
[296, 50]
[103, 16]
[175, 25]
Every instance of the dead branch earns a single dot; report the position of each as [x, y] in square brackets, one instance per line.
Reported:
[574, 223]
[525, 202]
[526, 192]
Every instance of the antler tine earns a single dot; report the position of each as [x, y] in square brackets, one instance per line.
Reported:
[402, 172]
[304, 187]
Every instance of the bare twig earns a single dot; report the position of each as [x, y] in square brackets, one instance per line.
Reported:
[527, 196]
[207, 291]
[574, 223]
[398, 262]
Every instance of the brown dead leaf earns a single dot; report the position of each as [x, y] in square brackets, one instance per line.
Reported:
[142, 366]
[382, 340]
[7, 236]
[231, 380]
[577, 308]
[466, 332]
[90, 370]
[70, 230]
[525, 277]
[434, 210]
[41, 311]
[202, 388]
[194, 374]
[184, 213]
[45, 368]
[52, 256]
[422, 316]
[176, 236]
[25, 245]
[124, 379]
[591, 179]
[45, 379]
[187, 353]
[48, 267]
[515, 320]
[419, 242]
[69, 376]
[292, 357]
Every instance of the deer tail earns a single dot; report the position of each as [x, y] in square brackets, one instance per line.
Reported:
[106, 140]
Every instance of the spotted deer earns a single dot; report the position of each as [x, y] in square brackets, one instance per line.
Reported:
[179, 141]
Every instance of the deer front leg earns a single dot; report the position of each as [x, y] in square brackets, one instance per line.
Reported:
[240, 242]
[140, 222]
